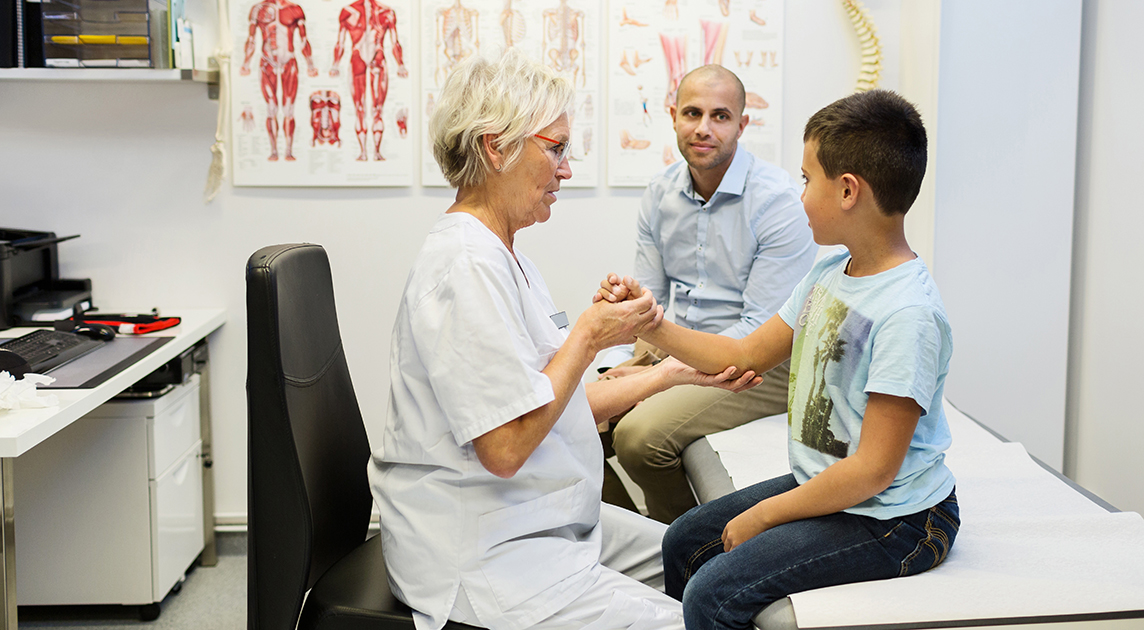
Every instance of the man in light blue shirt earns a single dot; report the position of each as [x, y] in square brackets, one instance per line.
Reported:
[724, 235]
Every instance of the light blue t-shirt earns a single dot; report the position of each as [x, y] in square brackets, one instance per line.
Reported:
[887, 334]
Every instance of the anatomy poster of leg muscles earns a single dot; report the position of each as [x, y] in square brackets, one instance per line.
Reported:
[652, 44]
[324, 93]
[563, 34]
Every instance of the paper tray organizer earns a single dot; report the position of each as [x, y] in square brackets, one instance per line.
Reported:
[105, 34]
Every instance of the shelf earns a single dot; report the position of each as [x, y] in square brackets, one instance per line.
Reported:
[93, 74]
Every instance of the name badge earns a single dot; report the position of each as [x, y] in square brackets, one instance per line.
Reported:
[560, 319]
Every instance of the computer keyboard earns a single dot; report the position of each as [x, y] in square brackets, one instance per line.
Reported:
[45, 349]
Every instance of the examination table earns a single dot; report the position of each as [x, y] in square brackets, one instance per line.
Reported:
[1033, 546]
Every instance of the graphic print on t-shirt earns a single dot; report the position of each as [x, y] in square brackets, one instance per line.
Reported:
[828, 343]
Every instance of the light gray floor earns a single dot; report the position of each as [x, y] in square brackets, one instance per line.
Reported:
[211, 598]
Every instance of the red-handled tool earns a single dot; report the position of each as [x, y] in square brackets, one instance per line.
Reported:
[129, 324]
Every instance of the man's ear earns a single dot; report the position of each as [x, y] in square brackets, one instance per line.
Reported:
[744, 120]
[849, 187]
[672, 111]
[493, 154]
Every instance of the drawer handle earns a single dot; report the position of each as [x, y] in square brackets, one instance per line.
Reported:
[180, 475]
[179, 414]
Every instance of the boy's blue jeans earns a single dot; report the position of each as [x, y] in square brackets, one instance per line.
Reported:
[726, 590]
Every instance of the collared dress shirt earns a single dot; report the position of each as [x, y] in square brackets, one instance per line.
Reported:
[727, 264]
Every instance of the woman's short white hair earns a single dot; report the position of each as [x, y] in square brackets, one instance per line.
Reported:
[511, 98]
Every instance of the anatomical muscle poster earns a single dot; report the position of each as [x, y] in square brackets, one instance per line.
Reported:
[562, 34]
[654, 43]
[321, 94]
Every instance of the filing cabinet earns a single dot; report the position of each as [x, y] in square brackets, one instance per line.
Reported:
[110, 509]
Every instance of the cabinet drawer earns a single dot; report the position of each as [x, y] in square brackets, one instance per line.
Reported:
[177, 520]
[172, 422]
[175, 428]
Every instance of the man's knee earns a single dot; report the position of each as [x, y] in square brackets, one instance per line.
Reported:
[638, 442]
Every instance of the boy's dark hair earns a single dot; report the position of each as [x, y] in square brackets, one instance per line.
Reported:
[878, 136]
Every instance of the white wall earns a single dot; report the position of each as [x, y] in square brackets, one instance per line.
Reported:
[1005, 153]
[1105, 421]
[124, 164]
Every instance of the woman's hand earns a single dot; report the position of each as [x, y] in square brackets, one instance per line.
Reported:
[678, 373]
[743, 528]
[610, 324]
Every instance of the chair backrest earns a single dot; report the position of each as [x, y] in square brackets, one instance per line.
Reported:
[308, 496]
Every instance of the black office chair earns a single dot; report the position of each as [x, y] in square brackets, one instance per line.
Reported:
[309, 499]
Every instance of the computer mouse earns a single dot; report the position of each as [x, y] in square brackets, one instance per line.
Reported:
[102, 332]
[13, 363]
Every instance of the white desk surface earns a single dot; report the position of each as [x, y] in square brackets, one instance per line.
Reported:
[22, 429]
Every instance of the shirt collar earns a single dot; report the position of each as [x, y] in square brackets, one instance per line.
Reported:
[734, 181]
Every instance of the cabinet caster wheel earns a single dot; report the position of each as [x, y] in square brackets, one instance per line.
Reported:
[149, 612]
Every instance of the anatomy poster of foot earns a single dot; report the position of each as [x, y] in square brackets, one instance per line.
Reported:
[653, 43]
[320, 93]
[562, 34]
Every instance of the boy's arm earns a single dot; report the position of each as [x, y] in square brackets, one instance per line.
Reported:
[887, 427]
[763, 349]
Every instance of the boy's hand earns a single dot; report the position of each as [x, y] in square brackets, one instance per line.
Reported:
[743, 528]
[616, 289]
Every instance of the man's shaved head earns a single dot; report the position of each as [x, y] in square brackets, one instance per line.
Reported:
[716, 72]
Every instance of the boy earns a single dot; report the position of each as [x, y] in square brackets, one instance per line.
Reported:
[869, 496]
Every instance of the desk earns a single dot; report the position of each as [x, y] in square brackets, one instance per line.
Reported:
[23, 429]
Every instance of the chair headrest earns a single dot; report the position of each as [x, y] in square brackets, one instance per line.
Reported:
[299, 289]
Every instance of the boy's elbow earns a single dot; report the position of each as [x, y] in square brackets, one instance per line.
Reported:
[880, 477]
[876, 476]
[883, 480]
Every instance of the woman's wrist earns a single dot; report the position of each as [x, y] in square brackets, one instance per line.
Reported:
[665, 379]
[582, 347]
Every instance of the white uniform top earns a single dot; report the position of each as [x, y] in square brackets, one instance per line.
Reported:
[473, 333]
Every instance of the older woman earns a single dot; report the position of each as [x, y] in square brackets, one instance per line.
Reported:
[489, 472]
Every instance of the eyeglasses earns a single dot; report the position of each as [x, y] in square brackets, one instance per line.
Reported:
[561, 150]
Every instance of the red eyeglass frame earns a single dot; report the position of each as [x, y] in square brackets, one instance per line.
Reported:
[563, 154]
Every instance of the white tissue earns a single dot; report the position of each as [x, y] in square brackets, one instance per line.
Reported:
[22, 394]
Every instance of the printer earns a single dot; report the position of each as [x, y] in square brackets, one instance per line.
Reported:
[31, 289]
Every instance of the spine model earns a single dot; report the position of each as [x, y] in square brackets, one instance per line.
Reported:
[871, 69]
